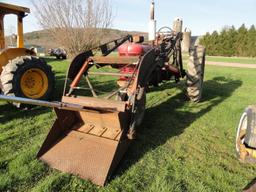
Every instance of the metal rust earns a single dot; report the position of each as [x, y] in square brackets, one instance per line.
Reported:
[251, 187]
[86, 144]
[81, 72]
[96, 103]
[91, 134]
[114, 60]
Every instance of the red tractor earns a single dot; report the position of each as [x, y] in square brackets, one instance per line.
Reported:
[91, 134]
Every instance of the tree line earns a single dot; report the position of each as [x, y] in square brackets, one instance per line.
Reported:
[231, 42]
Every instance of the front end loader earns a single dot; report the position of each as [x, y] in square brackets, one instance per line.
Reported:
[91, 134]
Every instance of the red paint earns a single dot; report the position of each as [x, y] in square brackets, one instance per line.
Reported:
[127, 70]
[132, 49]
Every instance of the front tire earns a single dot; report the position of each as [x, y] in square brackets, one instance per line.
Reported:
[28, 77]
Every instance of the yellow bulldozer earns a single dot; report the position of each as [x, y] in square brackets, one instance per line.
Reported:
[22, 74]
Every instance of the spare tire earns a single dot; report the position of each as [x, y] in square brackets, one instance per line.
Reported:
[29, 77]
[195, 73]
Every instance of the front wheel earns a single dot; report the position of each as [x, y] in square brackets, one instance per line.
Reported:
[29, 77]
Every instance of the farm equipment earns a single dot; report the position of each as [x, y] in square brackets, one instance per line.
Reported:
[246, 136]
[246, 141]
[91, 134]
[59, 53]
[22, 74]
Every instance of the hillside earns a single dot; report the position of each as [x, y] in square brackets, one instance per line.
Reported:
[44, 39]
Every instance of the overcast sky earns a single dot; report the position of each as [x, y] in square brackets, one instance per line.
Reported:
[200, 16]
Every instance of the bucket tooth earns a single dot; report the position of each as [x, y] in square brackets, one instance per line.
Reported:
[88, 144]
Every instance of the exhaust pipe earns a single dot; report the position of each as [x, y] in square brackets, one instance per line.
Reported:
[152, 23]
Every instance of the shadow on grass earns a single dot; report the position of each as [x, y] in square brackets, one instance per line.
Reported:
[166, 120]
[14, 113]
[10, 112]
[169, 118]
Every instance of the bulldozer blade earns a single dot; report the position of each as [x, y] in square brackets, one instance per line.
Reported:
[89, 144]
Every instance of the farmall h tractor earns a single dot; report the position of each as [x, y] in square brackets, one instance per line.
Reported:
[93, 129]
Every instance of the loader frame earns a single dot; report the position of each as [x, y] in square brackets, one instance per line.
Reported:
[91, 134]
[91, 142]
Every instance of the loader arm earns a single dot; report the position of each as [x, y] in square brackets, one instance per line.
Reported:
[91, 134]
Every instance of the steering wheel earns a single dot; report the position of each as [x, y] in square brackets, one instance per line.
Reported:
[164, 31]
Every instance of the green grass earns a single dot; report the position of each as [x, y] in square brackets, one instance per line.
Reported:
[243, 60]
[181, 146]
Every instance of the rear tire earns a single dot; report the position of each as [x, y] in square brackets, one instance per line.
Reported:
[28, 77]
[195, 73]
[245, 138]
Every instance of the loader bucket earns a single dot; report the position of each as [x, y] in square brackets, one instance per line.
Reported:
[88, 143]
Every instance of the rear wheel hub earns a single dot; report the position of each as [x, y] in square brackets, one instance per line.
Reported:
[34, 83]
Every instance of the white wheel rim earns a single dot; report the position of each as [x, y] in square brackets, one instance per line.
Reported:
[242, 126]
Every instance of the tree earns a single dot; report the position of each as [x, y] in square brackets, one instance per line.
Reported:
[214, 39]
[251, 41]
[232, 35]
[228, 39]
[241, 41]
[77, 25]
[231, 42]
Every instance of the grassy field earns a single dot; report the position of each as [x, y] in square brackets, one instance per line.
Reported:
[181, 146]
[243, 60]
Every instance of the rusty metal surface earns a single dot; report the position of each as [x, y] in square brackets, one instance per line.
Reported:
[89, 157]
[114, 60]
[89, 144]
[101, 131]
[251, 187]
[65, 121]
[106, 49]
[111, 74]
[81, 72]
[96, 103]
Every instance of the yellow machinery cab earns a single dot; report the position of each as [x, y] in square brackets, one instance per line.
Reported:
[7, 54]
[21, 72]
